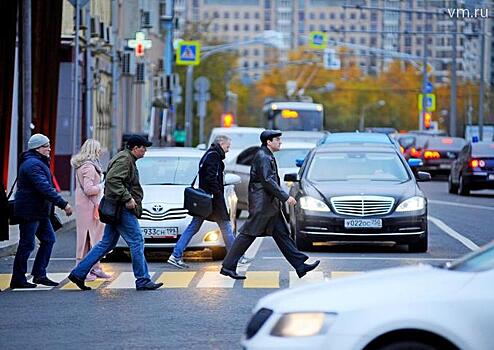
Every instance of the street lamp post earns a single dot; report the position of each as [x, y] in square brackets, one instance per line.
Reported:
[379, 103]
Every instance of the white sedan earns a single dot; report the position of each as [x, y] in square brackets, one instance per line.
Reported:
[408, 308]
[164, 174]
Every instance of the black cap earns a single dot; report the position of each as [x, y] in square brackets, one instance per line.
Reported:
[269, 135]
[137, 140]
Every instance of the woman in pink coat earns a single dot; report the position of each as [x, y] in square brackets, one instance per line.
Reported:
[88, 193]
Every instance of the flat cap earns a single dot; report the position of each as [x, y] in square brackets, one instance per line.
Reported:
[269, 135]
[137, 140]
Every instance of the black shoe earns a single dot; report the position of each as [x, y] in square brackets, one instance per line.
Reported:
[232, 274]
[150, 286]
[306, 268]
[45, 281]
[78, 282]
[22, 285]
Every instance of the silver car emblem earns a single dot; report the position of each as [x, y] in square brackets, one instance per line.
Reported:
[451, 155]
[157, 208]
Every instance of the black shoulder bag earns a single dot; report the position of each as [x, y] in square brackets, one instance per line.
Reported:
[13, 220]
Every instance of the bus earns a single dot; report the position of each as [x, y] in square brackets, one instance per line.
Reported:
[293, 115]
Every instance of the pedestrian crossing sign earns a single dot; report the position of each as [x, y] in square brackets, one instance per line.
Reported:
[318, 40]
[188, 53]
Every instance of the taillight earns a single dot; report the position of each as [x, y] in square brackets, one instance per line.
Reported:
[431, 155]
[414, 153]
[402, 150]
[477, 163]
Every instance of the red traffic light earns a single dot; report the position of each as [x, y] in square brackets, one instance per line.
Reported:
[227, 120]
[139, 49]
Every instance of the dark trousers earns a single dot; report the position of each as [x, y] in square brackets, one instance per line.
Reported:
[28, 231]
[282, 239]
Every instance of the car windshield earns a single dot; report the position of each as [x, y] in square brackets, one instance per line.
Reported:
[241, 140]
[368, 166]
[479, 261]
[445, 143]
[483, 150]
[167, 170]
[286, 157]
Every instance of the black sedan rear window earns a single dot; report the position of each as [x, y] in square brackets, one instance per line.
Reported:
[445, 143]
[483, 150]
[368, 166]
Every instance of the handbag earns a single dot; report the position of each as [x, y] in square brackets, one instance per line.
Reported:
[55, 221]
[110, 210]
[13, 220]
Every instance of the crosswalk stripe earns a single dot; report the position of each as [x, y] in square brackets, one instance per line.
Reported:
[57, 277]
[5, 280]
[311, 277]
[213, 279]
[262, 279]
[125, 280]
[340, 274]
[176, 279]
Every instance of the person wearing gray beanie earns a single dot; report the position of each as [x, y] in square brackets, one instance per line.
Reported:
[37, 140]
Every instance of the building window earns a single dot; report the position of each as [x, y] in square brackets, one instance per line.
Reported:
[257, 28]
[256, 52]
[301, 16]
[235, 27]
[342, 15]
[246, 15]
[267, 4]
[267, 26]
[246, 64]
[226, 15]
[332, 16]
[237, 15]
[225, 27]
[373, 41]
[362, 41]
[418, 53]
[363, 16]
[256, 64]
[322, 16]
[257, 15]
[312, 15]
[373, 16]
[352, 40]
[216, 27]
[352, 27]
[363, 28]
[419, 16]
[216, 14]
[353, 16]
[419, 41]
[246, 52]
[408, 41]
[246, 27]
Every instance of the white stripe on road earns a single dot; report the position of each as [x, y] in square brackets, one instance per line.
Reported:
[213, 279]
[251, 254]
[311, 277]
[448, 230]
[365, 258]
[473, 206]
[125, 280]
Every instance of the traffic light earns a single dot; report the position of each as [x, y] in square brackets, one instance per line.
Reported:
[139, 49]
[427, 120]
[227, 120]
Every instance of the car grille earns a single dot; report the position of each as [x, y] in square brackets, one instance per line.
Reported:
[362, 205]
[257, 321]
[170, 214]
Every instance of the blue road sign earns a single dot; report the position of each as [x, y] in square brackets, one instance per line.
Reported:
[429, 87]
[188, 53]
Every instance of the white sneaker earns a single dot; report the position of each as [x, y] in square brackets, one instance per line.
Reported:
[177, 262]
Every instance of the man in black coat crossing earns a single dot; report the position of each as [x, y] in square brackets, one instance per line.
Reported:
[265, 217]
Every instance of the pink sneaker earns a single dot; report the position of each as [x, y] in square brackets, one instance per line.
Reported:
[100, 274]
[90, 277]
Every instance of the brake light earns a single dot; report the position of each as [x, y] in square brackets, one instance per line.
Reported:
[431, 155]
[447, 141]
[477, 163]
[414, 153]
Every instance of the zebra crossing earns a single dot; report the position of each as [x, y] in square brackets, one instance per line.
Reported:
[192, 279]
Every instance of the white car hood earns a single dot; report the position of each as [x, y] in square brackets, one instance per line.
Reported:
[167, 194]
[385, 287]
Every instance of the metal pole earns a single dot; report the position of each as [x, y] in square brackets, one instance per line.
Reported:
[89, 80]
[481, 89]
[424, 81]
[114, 78]
[168, 58]
[26, 71]
[75, 101]
[452, 101]
[188, 105]
[362, 122]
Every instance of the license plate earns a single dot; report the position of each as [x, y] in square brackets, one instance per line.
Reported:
[491, 176]
[444, 166]
[160, 232]
[363, 223]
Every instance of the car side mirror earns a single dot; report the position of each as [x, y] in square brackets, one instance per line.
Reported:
[232, 179]
[415, 162]
[299, 162]
[422, 176]
[293, 177]
[201, 146]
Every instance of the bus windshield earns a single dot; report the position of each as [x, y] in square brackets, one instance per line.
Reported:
[296, 119]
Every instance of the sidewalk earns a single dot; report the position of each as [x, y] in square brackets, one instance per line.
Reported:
[9, 247]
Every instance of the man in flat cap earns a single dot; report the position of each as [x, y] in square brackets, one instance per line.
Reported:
[265, 217]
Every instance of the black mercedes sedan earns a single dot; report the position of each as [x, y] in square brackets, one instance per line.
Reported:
[360, 194]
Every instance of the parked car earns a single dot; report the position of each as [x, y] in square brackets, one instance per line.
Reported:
[349, 193]
[438, 153]
[473, 169]
[411, 145]
[382, 130]
[164, 174]
[423, 307]
[285, 158]
[363, 138]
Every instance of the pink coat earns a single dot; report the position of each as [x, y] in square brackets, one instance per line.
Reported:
[88, 193]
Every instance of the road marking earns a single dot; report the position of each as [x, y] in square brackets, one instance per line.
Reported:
[215, 280]
[310, 278]
[176, 279]
[366, 258]
[462, 239]
[93, 284]
[262, 279]
[340, 274]
[125, 280]
[5, 280]
[254, 248]
[473, 206]
[57, 277]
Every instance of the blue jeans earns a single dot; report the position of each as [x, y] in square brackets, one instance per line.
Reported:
[193, 228]
[28, 231]
[130, 231]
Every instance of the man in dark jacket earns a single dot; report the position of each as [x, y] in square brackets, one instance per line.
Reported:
[122, 184]
[34, 200]
[211, 169]
[265, 217]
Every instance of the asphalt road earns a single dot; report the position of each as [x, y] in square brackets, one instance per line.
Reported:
[199, 310]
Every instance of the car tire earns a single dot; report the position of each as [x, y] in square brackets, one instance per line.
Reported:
[420, 246]
[218, 253]
[302, 243]
[408, 345]
[116, 255]
[463, 189]
[452, 188]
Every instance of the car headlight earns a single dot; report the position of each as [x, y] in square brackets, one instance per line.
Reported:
[412, 204]
[303, 324]
[309, 203]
